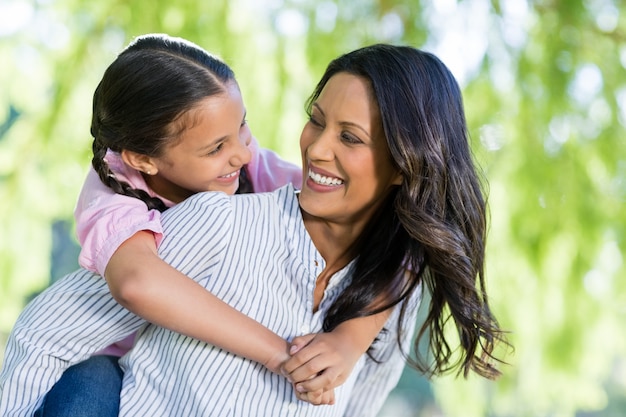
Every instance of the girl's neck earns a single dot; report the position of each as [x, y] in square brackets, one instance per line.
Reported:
[166, 189]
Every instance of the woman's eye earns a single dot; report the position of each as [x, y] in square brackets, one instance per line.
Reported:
[314, 121]
[350, 138]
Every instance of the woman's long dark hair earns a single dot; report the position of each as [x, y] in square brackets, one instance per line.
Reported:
[434, 224]
[142, 95]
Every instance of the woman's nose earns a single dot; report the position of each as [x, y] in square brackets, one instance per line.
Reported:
[320, 148]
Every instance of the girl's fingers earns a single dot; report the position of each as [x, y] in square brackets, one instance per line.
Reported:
[322, 381]
[300, 342]
[317, 397]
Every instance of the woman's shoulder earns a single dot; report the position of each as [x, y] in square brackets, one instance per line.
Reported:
[254, 210]
[279, 206]
[281, 197]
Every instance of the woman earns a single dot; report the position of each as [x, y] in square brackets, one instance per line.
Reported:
[391, 201]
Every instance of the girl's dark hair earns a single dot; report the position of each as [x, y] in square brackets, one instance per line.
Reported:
[142, 95]
[434, 224]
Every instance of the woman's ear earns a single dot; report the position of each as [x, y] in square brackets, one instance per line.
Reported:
[140, 162]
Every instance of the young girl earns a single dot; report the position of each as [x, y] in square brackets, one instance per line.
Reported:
[169, 122]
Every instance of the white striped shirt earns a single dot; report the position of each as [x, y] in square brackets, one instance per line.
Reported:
[253, 252]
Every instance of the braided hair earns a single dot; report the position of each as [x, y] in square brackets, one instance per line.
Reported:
[138, 104]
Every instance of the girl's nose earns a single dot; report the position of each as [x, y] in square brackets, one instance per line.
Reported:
[242, 154]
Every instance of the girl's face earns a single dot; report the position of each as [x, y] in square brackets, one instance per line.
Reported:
[346, 163]
[209, 152]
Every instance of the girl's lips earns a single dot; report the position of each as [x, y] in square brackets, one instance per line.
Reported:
[232, 174]
[228, 178]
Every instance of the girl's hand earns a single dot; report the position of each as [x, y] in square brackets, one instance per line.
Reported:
[319, 397]
[320, 362]
[274, 364]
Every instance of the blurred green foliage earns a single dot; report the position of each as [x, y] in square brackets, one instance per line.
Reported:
[545, 95]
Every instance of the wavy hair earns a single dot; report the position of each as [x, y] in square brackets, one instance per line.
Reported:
[432, 228]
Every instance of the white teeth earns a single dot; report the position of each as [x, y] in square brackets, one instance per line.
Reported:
[232, 174]
[321, 179]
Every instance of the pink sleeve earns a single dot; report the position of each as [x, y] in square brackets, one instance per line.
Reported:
[120, 348]
[268, 171]
[105, 219]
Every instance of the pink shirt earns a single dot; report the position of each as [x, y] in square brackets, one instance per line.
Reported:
[105, 219]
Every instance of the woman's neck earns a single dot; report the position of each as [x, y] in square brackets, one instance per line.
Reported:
[336, 244]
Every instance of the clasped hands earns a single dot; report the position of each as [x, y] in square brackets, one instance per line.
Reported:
[315, 365]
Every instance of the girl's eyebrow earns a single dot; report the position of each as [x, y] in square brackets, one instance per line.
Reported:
[212, 144]
[344, 123]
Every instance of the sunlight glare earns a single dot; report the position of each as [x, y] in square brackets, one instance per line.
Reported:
[326, 16]
[290, 22]
[514, 29]
[620, 97]
[587, 84]
[391, 26]
[14, 16]
[606, 14]
[463, 49]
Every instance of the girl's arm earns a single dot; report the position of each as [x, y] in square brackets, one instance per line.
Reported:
[119, 238]
[147, 286]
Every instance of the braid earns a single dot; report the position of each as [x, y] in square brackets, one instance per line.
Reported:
[120, 187]
[139, 103]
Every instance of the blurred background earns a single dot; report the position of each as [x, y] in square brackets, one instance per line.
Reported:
[545, 93]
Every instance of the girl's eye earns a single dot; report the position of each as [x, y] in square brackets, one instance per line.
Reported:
[216, 150]
[244, 122]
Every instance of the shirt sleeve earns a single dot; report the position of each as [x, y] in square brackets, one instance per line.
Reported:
[376, 380]
[268, 171]
[105, 219]
[64, 325]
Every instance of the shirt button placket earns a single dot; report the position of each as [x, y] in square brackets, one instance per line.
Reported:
[290, 408]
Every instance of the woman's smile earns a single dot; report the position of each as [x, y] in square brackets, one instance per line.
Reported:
[344, 150]
[323, 178]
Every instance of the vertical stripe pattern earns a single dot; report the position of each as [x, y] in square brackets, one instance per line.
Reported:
[250, 250]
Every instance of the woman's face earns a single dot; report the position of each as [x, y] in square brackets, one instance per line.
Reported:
[346, 163]
[209, 153]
